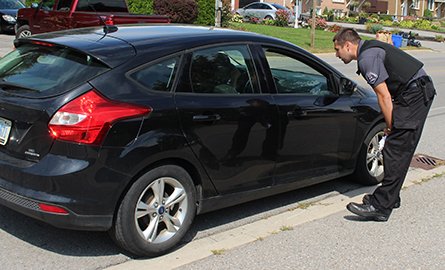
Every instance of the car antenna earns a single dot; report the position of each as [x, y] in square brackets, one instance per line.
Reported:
[107, 28]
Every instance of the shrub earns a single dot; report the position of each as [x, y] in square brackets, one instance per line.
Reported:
[319, 23]
[385, 17]
[140, 7]
[254, 20]
[179, 11]
[269, 22]
[428, 14]
[236, 18]
[439, 38]
[282, 17]
[226, 16]
[206, 12]
[373, 27]
[423, 24]
[387, 23]
[334, 28]
[407, 24]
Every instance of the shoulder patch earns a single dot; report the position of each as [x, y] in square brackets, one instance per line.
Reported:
[371, 77]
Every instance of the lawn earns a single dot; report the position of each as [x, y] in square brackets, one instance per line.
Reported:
[300, 37]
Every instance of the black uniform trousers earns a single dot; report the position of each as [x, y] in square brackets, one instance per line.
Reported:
[410, 110]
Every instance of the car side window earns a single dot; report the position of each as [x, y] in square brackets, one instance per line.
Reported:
[253, 6]
[222, 70]
[263, 6]
[292, 76]
[64, 5]
[47, 4]
[158, 76]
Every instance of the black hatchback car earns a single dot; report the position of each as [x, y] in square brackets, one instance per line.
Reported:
[136, 130]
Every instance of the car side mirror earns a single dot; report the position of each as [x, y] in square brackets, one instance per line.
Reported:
[347, 87]
[35, 5]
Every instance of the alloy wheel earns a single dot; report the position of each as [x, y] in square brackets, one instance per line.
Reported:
[161, 210]
[374, 156]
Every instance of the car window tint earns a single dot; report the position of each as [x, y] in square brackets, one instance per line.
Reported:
[39, 71]
[263, 6]
[64, 5]
[222, 70]
[102, 5]
[158, 76]
[47, 4]
[292, 76]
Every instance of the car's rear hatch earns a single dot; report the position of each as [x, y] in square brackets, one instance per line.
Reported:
[36, 80]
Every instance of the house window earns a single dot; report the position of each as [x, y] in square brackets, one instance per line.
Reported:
[415, 4]
[431, 4]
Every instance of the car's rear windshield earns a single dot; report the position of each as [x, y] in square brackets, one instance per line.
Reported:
[39, 71]
[11, 4]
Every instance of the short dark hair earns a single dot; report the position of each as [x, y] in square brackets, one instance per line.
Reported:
[346, 34]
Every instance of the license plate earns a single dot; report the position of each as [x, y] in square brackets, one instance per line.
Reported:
[5, 128]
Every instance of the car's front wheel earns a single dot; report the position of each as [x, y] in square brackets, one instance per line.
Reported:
[156, 212]
[369, 169]
[23, 31]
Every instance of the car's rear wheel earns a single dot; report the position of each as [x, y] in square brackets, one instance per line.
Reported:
[369, 170]
[268, 17]
[156, 212]
[23, 31]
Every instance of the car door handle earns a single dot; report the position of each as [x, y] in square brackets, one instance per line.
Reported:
[298, 113]
[206, 118]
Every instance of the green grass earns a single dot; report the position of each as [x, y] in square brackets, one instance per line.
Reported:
[300, 36]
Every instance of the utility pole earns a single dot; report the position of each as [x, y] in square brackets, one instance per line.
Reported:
[218, 11]
[314, 6]
[297, 12]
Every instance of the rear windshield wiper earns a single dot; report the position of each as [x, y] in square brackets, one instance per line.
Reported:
[14, 86]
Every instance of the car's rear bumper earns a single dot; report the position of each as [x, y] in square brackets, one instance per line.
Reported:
[70, 220]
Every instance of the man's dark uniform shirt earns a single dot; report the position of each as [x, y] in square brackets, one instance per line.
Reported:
[412, 92]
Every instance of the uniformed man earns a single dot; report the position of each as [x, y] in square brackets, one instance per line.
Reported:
[405, 94]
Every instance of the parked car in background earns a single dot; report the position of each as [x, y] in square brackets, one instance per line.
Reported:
[263, 11]
[181, 121]
[56, 15]
[8, 13]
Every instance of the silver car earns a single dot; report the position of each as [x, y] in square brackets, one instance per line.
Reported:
[262, 11]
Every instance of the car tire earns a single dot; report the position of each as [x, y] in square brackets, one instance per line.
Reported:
[268, 17]
[23, 31]
[369, 168]
[149, 221]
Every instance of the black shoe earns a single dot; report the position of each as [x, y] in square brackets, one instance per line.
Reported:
[367, 211]
[367, 200]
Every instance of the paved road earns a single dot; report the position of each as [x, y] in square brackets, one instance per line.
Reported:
[413, 238]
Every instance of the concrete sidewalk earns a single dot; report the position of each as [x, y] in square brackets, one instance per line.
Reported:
[306, 211]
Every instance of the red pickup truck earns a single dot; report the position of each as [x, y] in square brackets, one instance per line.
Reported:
[54, 15]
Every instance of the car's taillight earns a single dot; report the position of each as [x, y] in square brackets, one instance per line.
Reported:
[88, 118]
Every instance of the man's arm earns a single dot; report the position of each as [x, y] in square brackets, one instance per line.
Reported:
[385, 103]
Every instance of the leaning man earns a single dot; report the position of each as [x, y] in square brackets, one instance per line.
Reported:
[405, 94]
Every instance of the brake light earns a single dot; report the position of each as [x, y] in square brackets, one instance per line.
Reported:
[52, 209]
[88, 118]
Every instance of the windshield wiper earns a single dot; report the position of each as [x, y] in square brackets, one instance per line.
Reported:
[14, 86]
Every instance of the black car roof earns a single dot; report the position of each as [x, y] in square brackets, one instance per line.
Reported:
[117, 46]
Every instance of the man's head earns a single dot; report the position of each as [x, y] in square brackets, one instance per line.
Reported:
[345, 44]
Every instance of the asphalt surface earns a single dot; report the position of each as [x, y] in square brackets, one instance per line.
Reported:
[413, 238]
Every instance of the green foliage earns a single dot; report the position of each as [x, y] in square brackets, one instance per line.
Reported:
[236, 18]
[206, 12]
[387, 23]
[407, 24]
[179, 11]
[140, 6]
[427, 13]
[282, 17]
[373, 27]
[385, 17]
[422, 24]
[439, 38]
[226, 16]
[269, 22]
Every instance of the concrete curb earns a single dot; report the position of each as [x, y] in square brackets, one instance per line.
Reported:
[255, 231]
